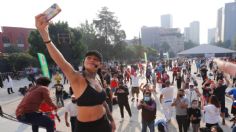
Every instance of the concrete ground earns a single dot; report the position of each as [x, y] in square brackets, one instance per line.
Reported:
[133, 124]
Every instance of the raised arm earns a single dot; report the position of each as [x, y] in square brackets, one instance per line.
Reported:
[227, 67]
[42, 26]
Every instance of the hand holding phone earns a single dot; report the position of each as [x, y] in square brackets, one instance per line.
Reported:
[52, 11]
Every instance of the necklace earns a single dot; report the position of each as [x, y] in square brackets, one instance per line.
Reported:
[90, 75]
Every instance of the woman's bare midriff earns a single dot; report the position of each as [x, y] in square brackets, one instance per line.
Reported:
[90, 113]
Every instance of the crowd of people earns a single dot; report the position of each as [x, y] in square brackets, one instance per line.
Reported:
[98, 86]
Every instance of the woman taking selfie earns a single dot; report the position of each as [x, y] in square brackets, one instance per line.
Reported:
[93, 113]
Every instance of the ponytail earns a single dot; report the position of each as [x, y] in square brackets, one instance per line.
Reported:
[99, 72]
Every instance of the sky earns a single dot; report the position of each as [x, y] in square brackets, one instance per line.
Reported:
[132, 14]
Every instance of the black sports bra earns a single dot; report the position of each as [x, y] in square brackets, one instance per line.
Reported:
[91, 97]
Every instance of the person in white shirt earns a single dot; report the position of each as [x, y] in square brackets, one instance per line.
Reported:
[192, 93]
[8, 83]
[212, 112]
[166, 97]
[71, 109]
[134, 86]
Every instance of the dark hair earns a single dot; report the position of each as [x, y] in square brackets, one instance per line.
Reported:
[181, 90]
[167, 82]
[218, 128]
[95, 53]
[44, 81]
[160, 128]
[99, 72]
[214, 100]
[194, 101]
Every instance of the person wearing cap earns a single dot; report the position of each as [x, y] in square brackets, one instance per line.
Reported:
[57, 77]
[122, 94]
[192, 93]
[71, 109]
[87, 86]
[28, 109]
[59, 93]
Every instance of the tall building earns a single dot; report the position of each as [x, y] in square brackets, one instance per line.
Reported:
[230, 23]
[155, 36]
[211, 35]
[167, 21]
[194, 31]
[220, 25]
[186, 34]
[14, 36]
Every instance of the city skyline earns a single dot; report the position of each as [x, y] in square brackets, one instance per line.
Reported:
[133, 14]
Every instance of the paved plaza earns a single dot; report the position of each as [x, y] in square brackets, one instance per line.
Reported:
[133, 124]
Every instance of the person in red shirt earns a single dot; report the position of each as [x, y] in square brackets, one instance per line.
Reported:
[49, 111]
[175, 69]
[114, 83]
[28, 109]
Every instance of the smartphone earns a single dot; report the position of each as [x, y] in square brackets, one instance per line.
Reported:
[52, 11]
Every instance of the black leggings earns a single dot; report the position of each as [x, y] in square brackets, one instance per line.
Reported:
[182, 122]
[127, 107]
[100, 125]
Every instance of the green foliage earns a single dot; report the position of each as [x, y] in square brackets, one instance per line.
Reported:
[189, 45]
[66, 39]
[108, 26]
[19, 61]
[165, 47]
[12, 49]
[234, 44]
[104, 35]
[226, 44]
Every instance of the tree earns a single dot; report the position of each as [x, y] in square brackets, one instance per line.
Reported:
[66, 39]
[234, 44]
[135, 40]
[226, 44]
[12, 49]
[19, 61]
[189, 45]
[165, 47]
[88, 34]
[108, 27]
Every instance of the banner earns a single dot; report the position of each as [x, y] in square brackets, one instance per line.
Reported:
[145, 57]
[43, 64]
[166, 55]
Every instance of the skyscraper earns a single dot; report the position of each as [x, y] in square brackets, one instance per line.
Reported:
[220, 25]
[230, 22]
[186, 34]
[211, 35]
[167, 21]
[194, 31]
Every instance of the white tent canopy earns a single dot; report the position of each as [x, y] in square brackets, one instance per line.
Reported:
[206, 49]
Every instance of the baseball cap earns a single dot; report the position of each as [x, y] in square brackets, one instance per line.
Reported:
[95, 53]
